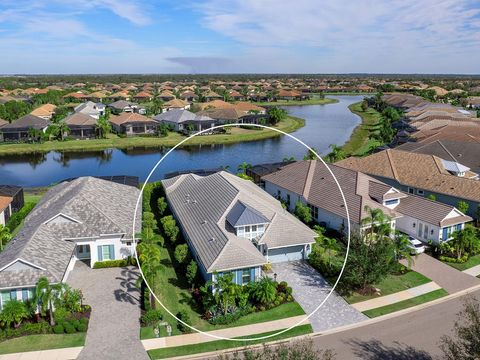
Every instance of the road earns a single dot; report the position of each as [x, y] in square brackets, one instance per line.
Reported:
[411, 336]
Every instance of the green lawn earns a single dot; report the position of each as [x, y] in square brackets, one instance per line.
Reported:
[471, 262]
[225, 344]
[406, 303]
[360, 143]
[288, 125]
[41, 342]
[392, 284]
[314, 101]
[172, 290]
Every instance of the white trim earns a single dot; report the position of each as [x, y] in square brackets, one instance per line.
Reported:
[282, 247]
[24, 261]
[238, 268]
[62, 214]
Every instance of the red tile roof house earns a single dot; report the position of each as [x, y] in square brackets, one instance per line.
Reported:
[311, 183]
[132, 124]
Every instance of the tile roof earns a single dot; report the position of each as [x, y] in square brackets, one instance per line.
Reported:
[201, 205]
[126, 117]
[98, 207]
[415, 170]
[25, 122]
[180, 116]
[80, 119]
[44, 110]
[4, 202]
[241, 214]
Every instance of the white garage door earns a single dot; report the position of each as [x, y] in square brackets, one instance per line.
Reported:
[285, 254]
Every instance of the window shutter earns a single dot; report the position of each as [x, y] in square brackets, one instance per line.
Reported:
[100, 256]
[238, 274]
[252, 274]
[13, 294]
[445, 236]
[112, 252]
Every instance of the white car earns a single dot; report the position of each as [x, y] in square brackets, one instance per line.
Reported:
[416, 245]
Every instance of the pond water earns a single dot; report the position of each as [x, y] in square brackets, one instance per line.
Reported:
[324, 125]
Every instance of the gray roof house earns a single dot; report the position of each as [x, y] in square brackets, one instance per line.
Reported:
[86, 219]
[181, 120]
[18, 129]
[90, 108]
[232, 225]
[310, 182]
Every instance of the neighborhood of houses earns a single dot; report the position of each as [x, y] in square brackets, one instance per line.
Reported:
[248, 228]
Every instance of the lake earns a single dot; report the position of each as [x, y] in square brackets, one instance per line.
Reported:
[324, 125]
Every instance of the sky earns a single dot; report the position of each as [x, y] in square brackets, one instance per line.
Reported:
[239, 36]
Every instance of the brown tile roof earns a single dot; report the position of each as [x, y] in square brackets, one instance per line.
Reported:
[80, 119]
[4, 202]
[469, 133]
[125, 117]
[44, 110]
[175, 103]
[415, 170]
[231, 114]
[3, 122]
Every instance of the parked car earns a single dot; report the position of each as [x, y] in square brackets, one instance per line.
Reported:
[416, 246]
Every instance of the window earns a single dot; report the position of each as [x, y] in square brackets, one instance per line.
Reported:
[314, 211]
[240, 231]
[247, 229]
[106, 252]
[27, 294]
[288, 199]
[254, 228]
[129, 243]
[279, 194]
[4, 298]
[458, 227]
[420, 192]
[411, 190]
[391, 202]
[246, 276]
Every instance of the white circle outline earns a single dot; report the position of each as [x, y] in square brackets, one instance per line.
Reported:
[155, 295]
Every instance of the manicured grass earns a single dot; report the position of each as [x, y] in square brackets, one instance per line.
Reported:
[471, 262]
[406, 303]
[314, 101]
[42, 342]
[288, 125]
[360, 142]
[225, 344]
[392, 284]
[173, 290]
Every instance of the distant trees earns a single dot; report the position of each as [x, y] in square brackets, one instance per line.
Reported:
[12, 110]
[244, 167]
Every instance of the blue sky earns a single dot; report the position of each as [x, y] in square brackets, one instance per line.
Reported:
[255, 36]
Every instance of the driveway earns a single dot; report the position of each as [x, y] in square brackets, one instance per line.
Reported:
[446, 276]
[114, 327]
[310, 289]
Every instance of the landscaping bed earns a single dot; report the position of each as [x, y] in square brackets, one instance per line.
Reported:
[471, 262]
[225, 344]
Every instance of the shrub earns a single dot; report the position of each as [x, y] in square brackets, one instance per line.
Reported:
[17, 217]
[183, 315]
[151, 317]
[110, 264]
[69, 328]
[60, 314]
[182, 253]
[170, 227]
[58, 329]
[82, 327]
[267, 267]
[84, 320]
[76, 323]
[449, 259]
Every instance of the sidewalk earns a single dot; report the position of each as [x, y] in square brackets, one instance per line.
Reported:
[53, 354]
[473, 271]
[396, 297]
[247, 330]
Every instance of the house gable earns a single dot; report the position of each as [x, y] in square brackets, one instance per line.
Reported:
[20, 264]
[62, 219]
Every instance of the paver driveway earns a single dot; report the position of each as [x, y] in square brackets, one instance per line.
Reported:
[114, 328]
[310, 289]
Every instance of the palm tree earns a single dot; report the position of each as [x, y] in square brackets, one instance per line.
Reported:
[465, 240]
[403, 249]
[336, 154]
[102, 127]
[14, 311]
[264, 290]
[287, 159]
[63, 130]
[377, 223]
[225, 291]
[150, 257]
[46, 295]
[5, 235]
[311, 154]
[244, 167]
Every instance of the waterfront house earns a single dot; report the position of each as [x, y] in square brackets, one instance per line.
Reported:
[85, 219]
[310, 183]
[14, 192]
[184, 121]
[5, 209]
[2, 124]
[448, 181]
[132, 124]
[18, 129]
[82, 126]
[232, 225]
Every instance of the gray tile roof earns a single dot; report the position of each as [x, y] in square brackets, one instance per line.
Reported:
[201, 205]
[180, 115]
[99, 206]
[25, 122]
[242, 214]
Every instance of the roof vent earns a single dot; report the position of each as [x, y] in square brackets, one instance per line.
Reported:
[194, 201]
[211, 239]
[204, 222]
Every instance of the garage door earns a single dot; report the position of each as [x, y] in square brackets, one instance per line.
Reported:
[285, 254]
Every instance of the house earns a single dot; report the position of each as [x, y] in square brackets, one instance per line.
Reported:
[289, 95]
[5, 209]
[223, 116]
[231, 225]
[189, 96]
[211, 95]
[19, 129]
[16, 193]
[175, 104]
[92, 109]
[449, 181]
[469, 133]
[166, 95]
[132, 124]
[256, 172]
[45, 111]
[86, 219]
[183, 120]
[82, 126]
[123, 106]
[311, 183]
[76, 96]
[2, 124]
[143, 96]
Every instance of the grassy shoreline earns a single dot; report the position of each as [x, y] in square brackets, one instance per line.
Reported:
[290, 124]
[360, 142]
[315, 101]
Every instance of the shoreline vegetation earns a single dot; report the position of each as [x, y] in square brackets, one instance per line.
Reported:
[360, 142]
[236, 135]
